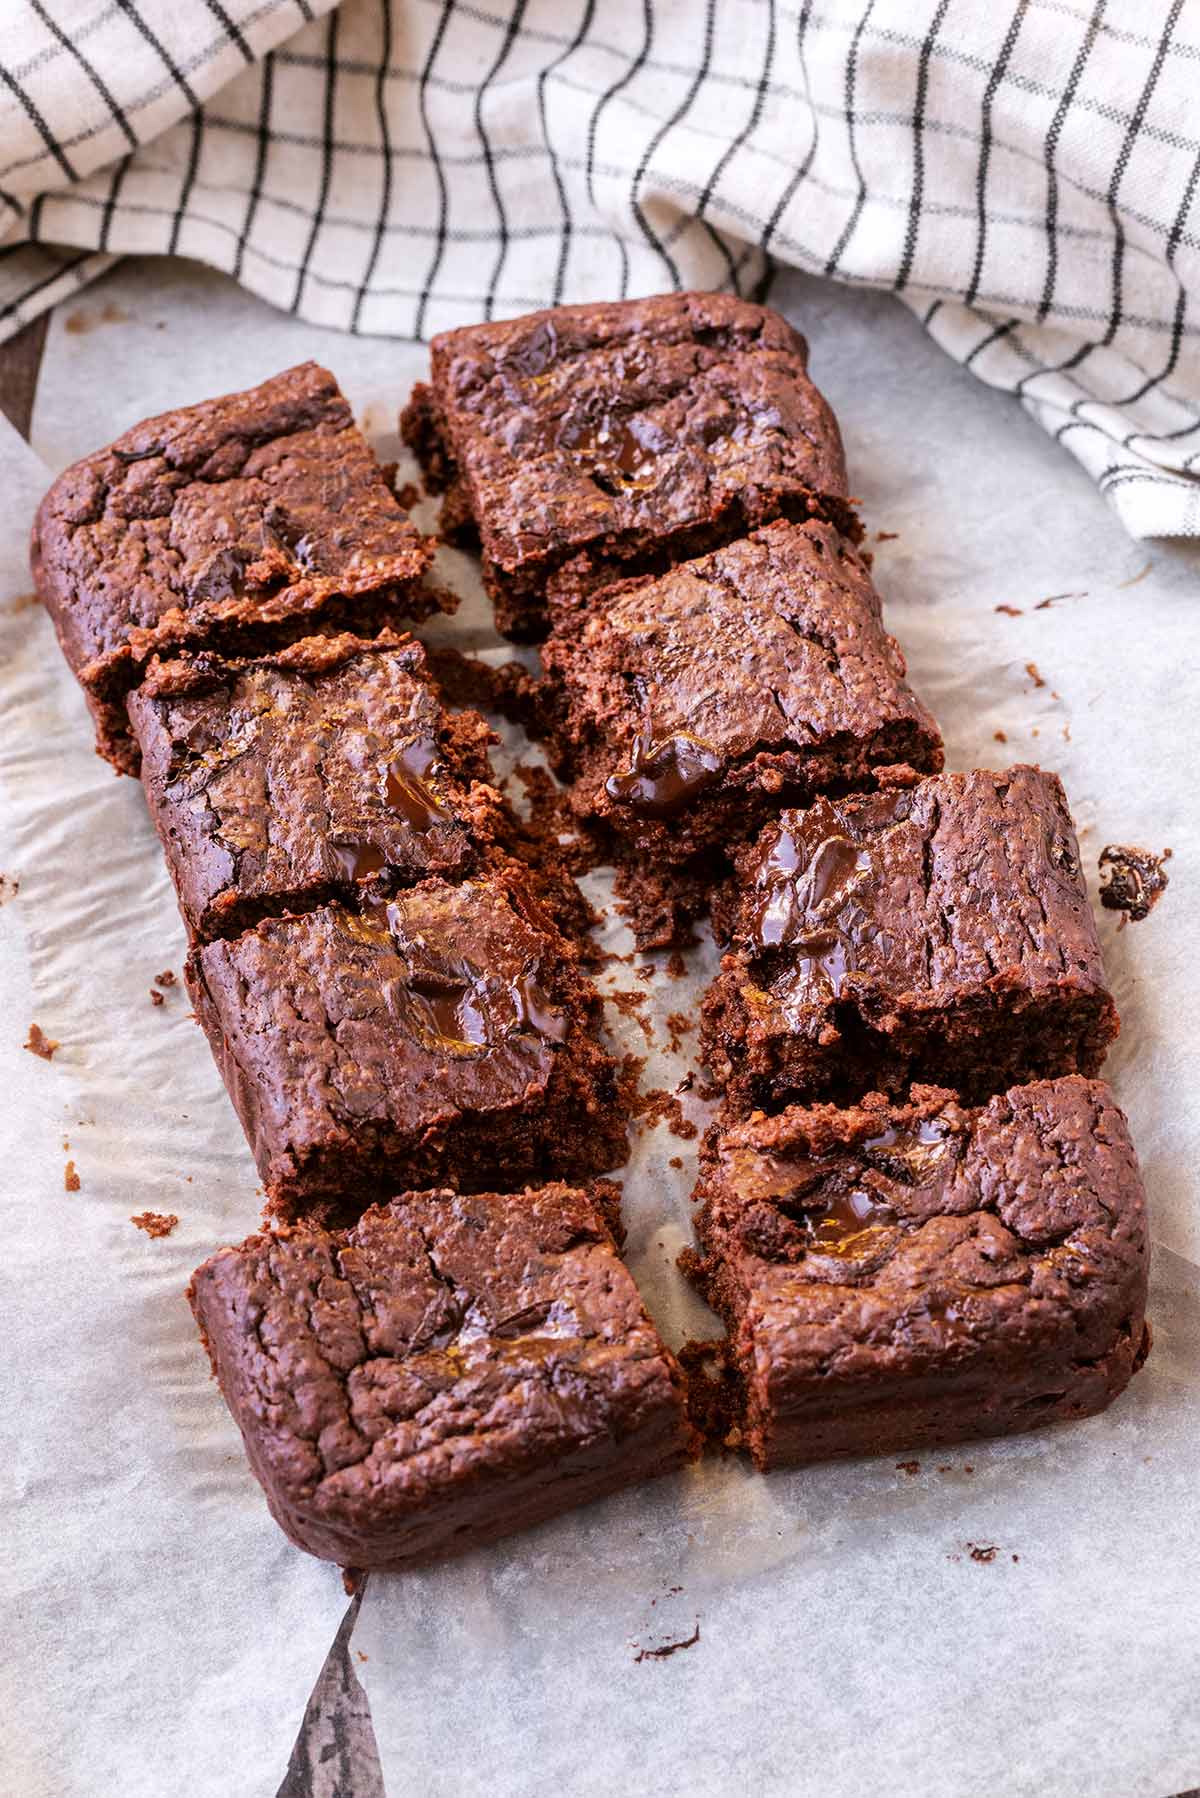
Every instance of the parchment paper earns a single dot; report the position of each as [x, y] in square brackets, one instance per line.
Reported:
[165, 1638]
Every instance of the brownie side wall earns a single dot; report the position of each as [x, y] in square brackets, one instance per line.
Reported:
[575, 1132]
[456, 1522]
[1048, 1392]
[524, 599]
[979, 1046]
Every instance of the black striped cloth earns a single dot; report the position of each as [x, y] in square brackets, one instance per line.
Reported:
[1022, 173]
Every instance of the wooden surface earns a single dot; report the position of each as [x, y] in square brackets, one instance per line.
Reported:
[20, 360]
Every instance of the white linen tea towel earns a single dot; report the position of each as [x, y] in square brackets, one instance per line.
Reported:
[1022, 173]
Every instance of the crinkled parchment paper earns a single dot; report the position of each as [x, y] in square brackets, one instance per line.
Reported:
[162, 1637]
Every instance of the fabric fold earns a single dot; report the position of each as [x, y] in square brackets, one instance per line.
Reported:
[1024, 176]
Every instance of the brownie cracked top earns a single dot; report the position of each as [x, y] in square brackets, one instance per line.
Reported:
[629, 421]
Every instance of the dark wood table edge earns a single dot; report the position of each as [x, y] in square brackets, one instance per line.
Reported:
[20, 363]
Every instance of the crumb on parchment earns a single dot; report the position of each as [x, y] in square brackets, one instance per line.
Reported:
[155, 1223]
[38, 1043]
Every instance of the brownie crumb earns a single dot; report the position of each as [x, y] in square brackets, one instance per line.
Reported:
[629, 1075]
[659, 1106]
[70, 1178]
[911, 1468]
[156, 997]
[408, 495]
[676, 966]
[38, 1043]
[675, 1161]
[1000, 736]
[1131, 880]
[668, 1648]
[166, 978]
[155, 1223]
[984, 1552]
[886, 536]
[551, 820]
[467, 680]
[1043, 605]
[1009, 611]
[714, 1396]
[9, 888]
[1031, 669]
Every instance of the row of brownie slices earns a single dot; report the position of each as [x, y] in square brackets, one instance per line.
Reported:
[920, 1215]
[387, 964]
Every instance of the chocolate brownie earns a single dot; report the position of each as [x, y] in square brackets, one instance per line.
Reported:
[687, 707]
[622, 437]
[235, 525]
[325, 770]
[448, 1371]
[896, 1276]
[939, 931]
[447, 1035]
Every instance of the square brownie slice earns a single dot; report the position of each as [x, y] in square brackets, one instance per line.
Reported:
[447, 1036]
[937, 931]
[621, 437]
[328, 769]
[894, 1276]
[686, 708]
[236, 525]
[449, 1371]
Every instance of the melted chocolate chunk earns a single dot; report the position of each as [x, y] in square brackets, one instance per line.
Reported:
[665, 776]
[812, 870]
[448, 1013]
[462, 1005]
[407, 791]
[851, 1225]
[1132, 880]
[910, 1153]
[358, 861]
[534, 1008]
[615, 447]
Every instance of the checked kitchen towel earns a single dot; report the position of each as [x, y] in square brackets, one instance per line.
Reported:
[1021, 173]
